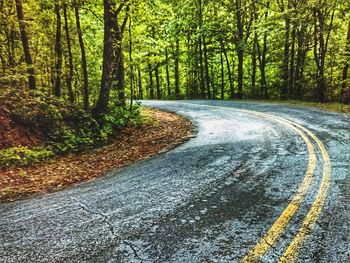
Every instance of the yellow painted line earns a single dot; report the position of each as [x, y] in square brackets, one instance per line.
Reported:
[268, 240]
[294, 247]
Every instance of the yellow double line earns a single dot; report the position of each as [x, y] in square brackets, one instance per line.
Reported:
[273, 234]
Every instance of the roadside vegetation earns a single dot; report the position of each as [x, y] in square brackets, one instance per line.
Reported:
[71, 70]
[51, 127]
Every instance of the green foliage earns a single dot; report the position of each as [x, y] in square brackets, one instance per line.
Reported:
[119, 117]
[23, 156]
[66, 128]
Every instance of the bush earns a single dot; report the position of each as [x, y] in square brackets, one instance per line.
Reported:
[22, 156]
[66, 128]
[119, 117]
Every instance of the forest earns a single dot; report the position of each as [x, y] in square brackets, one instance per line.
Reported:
[97, 53]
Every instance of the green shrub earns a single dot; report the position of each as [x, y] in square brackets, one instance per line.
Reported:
[23, 156]
[66, 128]
[119, 117]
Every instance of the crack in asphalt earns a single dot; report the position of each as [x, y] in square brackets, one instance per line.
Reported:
[128, 215]
[111, 228]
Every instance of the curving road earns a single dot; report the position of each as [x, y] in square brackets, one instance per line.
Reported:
[259, 183]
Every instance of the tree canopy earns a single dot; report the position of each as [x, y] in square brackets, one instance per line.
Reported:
[94, 53]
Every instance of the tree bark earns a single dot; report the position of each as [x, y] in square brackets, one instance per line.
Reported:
[207, 76]
[70, 57]
[240, 47]
[292, 91]
[320, 49]
[177, 74]
[83, 59]
[25, 43]
[151, 88]
[200, 45]
[58, 50]
[156, 73]
[167, 72]
[140, 84]
[113, 61]
[254, 64]
[232, 88]
[345, 89]
[285, 73]
[222, 75]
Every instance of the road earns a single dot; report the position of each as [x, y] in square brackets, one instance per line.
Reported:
[258, 183]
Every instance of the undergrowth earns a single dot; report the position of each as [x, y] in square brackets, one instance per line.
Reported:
[66, 128]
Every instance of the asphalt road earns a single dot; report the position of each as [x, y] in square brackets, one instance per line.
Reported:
[258, 183]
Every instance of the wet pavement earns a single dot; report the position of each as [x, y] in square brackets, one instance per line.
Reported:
[209, 200]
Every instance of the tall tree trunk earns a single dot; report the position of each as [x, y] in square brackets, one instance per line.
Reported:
[58, 50]
[345, 89]
[230, 77]
[140, 84]
[113, 62]
[131, 65]
[222, 75]
[70, 57]
[177, 73]
[108, 58]
[119, 76]
[254, 64]
[240, 47]
[321, 39]
[207, 76]
[156, 73]
[151, 88]
[83, 59]
[167, 72]
[200, 44]
[301, 53]
[285, 73]
[292, 91]
[25, 43]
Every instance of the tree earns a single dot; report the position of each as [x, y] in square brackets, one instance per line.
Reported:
[58, 50]
[322, 32]
[70, 56]
[83, 58]
[25, 43]
[113, 61]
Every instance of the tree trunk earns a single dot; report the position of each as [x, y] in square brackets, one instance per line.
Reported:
[200, 44]
[345, 90]
[151, 88]
[113, 60]
[285, 73]
[58, 50]
[254, 64]
[156, 73]
[292, 92]
[320, 50]
[70, 57]
[167, 72]
[222, 75]
[25, 43]
[207, 76]
[108, 58]
[140, 84]
[240, 48]
[83, 59]
[232, 88]
[177, 74]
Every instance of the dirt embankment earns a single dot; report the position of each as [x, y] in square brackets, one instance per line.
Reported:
[161, 132]
[14, 135]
